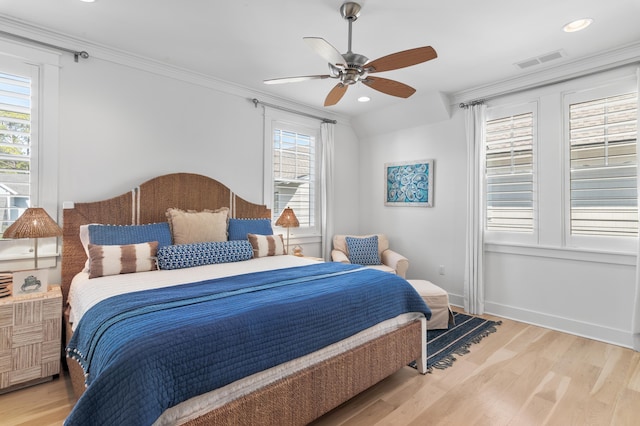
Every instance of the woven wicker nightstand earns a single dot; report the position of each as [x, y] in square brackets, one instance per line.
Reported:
[30, 339]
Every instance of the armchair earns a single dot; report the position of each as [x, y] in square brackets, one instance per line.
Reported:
[391, 261]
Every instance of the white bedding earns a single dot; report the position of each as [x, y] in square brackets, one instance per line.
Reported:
[85, 292]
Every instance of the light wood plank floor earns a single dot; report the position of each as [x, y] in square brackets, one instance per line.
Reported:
[521, 375]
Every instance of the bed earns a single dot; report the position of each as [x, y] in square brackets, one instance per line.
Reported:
[302, 385]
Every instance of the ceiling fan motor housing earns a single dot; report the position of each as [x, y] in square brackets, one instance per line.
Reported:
[350, 10]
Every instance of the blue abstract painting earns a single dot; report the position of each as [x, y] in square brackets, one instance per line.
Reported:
[409, 183]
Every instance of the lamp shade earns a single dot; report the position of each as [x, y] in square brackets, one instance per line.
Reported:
[288, 219]
[35, 222]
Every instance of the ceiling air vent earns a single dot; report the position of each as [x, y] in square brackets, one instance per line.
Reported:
[542, 59]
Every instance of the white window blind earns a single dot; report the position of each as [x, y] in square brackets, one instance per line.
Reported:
[509, 176]
[15, 147]
[294, 175]
[604, 197]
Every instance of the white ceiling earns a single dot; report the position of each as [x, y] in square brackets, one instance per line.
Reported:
[247, 41]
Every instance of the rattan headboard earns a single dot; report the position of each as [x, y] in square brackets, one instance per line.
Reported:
[147, 204]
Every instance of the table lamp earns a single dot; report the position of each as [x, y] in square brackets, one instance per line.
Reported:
[288, 220]
[33, 223]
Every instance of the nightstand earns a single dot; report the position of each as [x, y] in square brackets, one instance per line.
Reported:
[30, 339]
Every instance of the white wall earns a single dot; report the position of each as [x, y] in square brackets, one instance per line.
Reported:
[428, 236]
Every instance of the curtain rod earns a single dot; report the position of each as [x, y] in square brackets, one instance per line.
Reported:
[324, 120]
[549, 83]
[76, 53]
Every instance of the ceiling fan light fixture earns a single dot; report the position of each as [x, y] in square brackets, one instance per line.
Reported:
[577, 25]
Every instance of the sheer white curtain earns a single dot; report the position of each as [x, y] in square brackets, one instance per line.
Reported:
[474, 259]
[635, 325]
[326, 185]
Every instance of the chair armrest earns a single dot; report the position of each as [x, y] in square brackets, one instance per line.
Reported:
[339, 256]
[396, 261]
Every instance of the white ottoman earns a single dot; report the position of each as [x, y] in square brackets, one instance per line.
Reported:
[437, 300]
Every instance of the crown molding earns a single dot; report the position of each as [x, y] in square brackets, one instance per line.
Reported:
[607, 60]
[121, 57]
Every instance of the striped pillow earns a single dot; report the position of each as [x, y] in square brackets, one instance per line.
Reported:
[267, 245]
[114, 260]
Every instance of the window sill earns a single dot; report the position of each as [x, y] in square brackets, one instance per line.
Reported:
[565, 253]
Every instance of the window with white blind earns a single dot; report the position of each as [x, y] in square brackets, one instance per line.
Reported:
[509, 170]
[15, 146]
[603, 165]
[294, 174]
[291, 170]
[560, 168]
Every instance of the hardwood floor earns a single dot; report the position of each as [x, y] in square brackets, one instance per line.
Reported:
[521, 375]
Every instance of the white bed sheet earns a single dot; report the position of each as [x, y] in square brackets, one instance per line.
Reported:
[85, 293]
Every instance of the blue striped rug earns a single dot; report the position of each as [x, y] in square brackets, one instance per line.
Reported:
[444, 345]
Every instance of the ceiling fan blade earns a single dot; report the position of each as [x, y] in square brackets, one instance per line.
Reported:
[326, 50]
[296, 79]
[335, 94]
[406, 58]
[390, 87]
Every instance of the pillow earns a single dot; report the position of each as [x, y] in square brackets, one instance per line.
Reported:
[239, 228]
[114, 260]
[198, 254]
[363, 251]
[198, 227]
[267, 245]
[99, 234]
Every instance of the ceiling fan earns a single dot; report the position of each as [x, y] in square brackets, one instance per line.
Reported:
[351, 67]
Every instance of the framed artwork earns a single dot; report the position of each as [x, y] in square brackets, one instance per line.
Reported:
[409, 183]
[30, 282]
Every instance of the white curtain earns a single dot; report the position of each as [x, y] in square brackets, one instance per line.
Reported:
[474, 259]
[326, 185]
[635, 325]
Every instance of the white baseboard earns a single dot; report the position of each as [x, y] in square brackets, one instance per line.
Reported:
[588, 330]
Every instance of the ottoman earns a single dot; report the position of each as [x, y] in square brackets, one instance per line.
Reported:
[437, 300]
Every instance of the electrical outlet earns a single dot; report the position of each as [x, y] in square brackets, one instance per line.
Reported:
[441, 269]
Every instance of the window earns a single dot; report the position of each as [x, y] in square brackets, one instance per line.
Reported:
[603, 156]
[294, 175]
[561, 167]
[510, 140]
[29, 86]
[291, 169]
[15, 147]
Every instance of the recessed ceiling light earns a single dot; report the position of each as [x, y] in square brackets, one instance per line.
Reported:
[88, 1]
[577, 25]
[364, 99]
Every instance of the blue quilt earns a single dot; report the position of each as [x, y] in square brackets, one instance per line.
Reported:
[146, 351]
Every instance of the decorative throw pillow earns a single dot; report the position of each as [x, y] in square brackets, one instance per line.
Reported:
[114, 260]
[267, 245]
[363, 251]
[239, 228]
[189, 227]
[99, 234]
[198, 254]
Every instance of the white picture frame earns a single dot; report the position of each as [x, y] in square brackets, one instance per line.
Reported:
[32, 281]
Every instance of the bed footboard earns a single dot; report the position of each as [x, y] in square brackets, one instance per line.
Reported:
[303, 397]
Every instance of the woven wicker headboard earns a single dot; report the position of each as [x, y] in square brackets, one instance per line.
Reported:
[147, 204]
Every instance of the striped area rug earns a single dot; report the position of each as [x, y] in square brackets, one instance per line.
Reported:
[444, 345]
